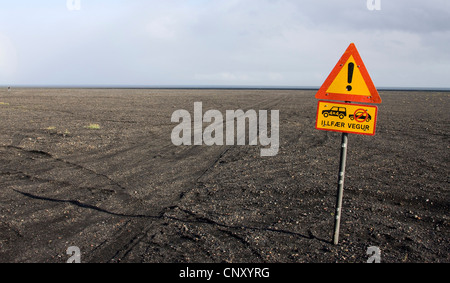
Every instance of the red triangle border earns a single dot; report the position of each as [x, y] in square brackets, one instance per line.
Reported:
[323, 94]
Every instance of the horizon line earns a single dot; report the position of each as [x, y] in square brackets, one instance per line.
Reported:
[249, 87]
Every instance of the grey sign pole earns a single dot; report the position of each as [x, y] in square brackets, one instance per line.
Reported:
[337, 220]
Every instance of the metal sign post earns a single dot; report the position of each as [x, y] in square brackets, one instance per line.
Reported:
[349, 81]
[337, 221]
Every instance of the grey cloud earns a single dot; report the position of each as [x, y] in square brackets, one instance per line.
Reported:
[402, 15]
[266, 42]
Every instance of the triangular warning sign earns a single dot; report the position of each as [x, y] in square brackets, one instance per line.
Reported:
[349, 80]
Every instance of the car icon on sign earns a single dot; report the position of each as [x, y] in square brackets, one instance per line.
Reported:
[361, 115]
[340, 112]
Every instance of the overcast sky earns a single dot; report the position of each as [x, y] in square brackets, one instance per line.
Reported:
[221, 42]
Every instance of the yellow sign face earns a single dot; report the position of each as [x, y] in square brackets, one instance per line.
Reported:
[349, 80]
[346, 118]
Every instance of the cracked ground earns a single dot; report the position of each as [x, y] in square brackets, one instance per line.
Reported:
[123, 192]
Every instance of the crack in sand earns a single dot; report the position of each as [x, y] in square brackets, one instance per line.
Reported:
[77, 166]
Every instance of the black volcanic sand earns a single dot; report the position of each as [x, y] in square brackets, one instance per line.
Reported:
[125, 193]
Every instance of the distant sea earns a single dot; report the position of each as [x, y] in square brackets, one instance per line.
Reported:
[237, 87]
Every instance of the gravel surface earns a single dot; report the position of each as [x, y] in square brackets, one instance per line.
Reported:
[96, 169]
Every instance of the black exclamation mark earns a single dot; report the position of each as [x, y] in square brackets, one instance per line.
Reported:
[351, 67]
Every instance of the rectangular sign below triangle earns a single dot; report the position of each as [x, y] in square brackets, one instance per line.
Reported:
[346, 118]
[349, 80]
